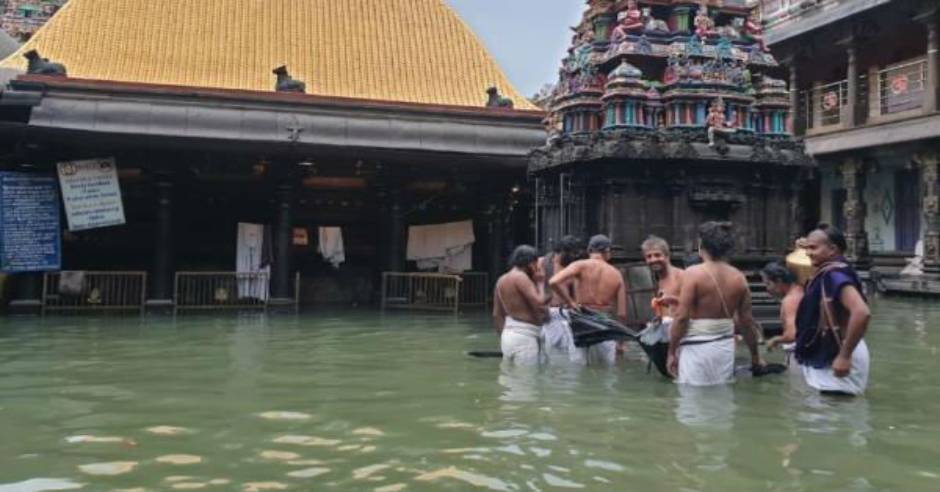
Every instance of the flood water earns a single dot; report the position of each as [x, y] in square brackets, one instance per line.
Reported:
[358, 401]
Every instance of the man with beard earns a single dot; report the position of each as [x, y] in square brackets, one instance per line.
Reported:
[668, 277]
[519, 308]
[598, 286]
[556, 333]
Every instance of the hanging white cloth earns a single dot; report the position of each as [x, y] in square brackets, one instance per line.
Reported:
[331, 245]
[446, 247]
[248, 258]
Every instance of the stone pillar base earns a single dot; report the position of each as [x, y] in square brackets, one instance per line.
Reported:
[282, 305]
[25, 307]
[160, 307]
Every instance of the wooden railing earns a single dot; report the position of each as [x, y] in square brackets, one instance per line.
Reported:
[94, 291]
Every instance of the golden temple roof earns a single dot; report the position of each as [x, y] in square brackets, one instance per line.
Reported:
[415, 51]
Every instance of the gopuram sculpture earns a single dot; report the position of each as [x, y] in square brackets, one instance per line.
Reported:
[494, 100]
[661, 120]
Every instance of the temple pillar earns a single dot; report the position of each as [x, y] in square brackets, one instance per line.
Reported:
[927, 164]
[162, 275]
[796, 124]
[853, 179]
[932, 83]
[497, 251]
[27, 295]
[851, 76]
[281, 268]
[395, 234]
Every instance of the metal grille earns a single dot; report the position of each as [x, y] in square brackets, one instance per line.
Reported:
[94, 291]
[902, 87]
[224, 290]
[421, 291]
[828, 101]
[475, 289]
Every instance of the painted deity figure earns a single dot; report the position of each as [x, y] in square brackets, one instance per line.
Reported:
[716, 123]
[652, 24]
[754, 30]
[630, 23]
[704, 25]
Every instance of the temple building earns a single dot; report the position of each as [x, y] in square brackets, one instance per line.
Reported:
[866, 80]
[22, 18]
[669, 113]
[307, 139]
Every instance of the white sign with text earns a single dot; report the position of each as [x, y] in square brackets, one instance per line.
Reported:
[91, 193]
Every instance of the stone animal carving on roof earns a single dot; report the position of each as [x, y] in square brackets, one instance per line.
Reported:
[42, 66]
[497, 101]
[287, 84]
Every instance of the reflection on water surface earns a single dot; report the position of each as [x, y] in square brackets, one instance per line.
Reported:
[357, 401]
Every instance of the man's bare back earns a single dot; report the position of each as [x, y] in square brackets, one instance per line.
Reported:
[555, 300]
[598, 285]
[704, 298]
[518, 297]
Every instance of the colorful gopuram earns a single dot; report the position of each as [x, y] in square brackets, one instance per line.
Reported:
[666, 114]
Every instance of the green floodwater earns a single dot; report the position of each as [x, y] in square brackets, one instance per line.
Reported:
[391, 403]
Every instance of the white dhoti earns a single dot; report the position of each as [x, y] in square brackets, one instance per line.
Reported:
[706, 353]
[853, 384]
[601, 354]
[520, 342]
[558, 341]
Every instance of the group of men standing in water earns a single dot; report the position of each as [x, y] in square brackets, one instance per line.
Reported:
[701, 311]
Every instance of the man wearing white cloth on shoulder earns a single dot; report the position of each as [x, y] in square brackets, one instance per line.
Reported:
[713, 295]
[519, 309]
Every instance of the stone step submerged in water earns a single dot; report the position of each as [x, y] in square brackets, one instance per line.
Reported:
[41, 485]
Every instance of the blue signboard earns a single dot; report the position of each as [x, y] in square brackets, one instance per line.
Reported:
[30, 236]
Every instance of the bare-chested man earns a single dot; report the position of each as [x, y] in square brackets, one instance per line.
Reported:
[598, 286]
[519, 309]
[713, 295]
[558, 342]
[668, 277]
[782, 284]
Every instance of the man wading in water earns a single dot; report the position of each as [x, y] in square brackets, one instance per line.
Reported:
[781, 283]
[656, 253]
[556, 334]
[519, 309]
[713, 295]
[598, 286]
[832, 319]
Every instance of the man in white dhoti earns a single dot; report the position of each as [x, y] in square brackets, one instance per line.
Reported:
[598, 286]
[558, 341]
[832, 319]
[713, 295]
[519, 309]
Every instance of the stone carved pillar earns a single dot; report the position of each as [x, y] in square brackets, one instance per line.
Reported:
[853, 179]
[851, 75]
[927, 163]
